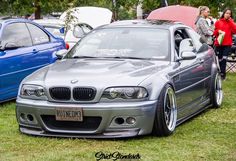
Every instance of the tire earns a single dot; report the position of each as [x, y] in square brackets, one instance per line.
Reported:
[216, 91]
[166, 113]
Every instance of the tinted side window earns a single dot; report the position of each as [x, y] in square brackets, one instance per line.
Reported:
[38, 35]
[18, 34]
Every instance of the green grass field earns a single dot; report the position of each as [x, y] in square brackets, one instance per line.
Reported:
[209, 136]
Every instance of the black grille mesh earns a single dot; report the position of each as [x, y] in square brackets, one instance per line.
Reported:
[83, 94]
[60, 93]
[79, 93]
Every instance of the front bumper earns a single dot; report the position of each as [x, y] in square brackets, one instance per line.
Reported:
[143, 112]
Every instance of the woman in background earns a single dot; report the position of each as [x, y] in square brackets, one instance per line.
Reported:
[225, 25]
[203, 28]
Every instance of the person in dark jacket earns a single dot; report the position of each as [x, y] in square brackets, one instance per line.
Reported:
[225, 25]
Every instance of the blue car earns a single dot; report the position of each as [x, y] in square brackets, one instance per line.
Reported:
[24, 47]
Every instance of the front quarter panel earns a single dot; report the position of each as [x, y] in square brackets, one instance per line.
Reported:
[155, 84]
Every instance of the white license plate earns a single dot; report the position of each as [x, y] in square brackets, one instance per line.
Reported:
[69, 114]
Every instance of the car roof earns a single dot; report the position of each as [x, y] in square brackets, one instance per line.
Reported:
[50, 22]
[162, 24]
[7, 21]
[14, 20]
[54, 23]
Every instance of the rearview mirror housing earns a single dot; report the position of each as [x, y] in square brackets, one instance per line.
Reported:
[62, 30]
[188, 55]
[186, 45]
[2, 53]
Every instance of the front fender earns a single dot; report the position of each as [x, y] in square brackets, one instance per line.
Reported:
[155, 84]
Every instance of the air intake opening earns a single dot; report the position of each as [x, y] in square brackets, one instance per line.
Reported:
[119, 120]
[30, 117]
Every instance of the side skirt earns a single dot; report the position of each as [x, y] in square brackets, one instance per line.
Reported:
[193, 114]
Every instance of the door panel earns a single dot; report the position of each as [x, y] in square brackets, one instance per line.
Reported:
[190, 82]
[205, 54]
[189, 86]
[44, 48]
[15, 64]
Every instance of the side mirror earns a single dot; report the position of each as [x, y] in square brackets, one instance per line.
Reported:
[62, 30]
[188, 55]
[61, 53]
[186, 45]
[2, 53]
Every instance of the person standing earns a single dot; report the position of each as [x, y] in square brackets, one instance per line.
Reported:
[225, 25]
[203, 28]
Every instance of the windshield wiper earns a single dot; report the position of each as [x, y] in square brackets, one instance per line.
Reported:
[115, 57]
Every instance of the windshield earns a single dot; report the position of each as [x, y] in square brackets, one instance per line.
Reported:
[142, 43]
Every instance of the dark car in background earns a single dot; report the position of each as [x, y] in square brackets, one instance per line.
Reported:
[24, 47]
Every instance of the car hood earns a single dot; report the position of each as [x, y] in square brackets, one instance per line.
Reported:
[99, 72]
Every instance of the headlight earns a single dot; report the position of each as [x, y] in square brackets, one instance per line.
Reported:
[32, 92]
[125, 93]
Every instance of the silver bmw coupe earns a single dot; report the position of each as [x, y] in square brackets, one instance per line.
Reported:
[125, 79]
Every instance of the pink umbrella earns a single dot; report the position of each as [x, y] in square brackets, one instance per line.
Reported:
[185, 14]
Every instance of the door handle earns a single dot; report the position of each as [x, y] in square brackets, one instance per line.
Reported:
[35, 51]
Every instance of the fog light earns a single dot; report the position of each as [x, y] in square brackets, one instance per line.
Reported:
[22, 116]
[131, 120]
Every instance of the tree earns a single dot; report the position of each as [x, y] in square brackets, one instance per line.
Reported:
[123, 9]
[164, 3]
[150, 5]
[37, 10]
